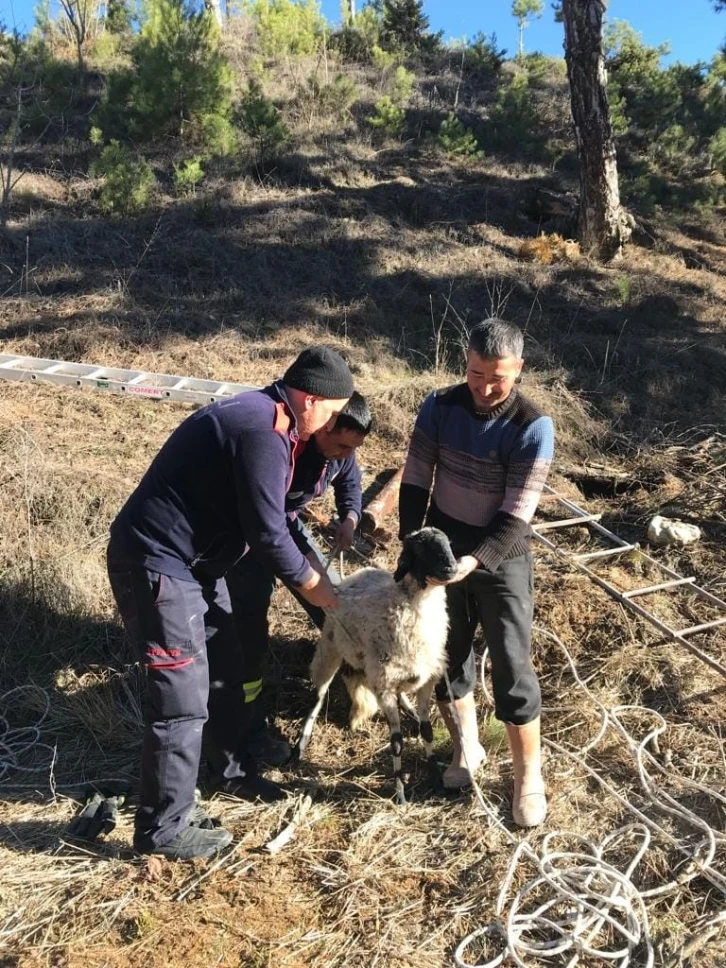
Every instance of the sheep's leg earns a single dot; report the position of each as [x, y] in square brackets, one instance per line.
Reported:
[423, 700]
[389, 705]
[408, 707]
[325, 664]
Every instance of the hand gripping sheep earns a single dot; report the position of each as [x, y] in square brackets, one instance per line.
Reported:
[390, 631]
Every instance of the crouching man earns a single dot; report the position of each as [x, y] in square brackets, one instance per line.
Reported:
[328, 459]
[481, 452]
[215, 491]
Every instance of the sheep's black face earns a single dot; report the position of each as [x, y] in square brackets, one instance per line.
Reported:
[426, 554]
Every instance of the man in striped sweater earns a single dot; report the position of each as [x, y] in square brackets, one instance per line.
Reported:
[477, 463]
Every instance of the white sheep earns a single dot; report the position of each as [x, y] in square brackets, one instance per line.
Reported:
[390, 631]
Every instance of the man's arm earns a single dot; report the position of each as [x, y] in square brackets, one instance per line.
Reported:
[418, 472]
[262, 471]
[348, 501]
[526, 475]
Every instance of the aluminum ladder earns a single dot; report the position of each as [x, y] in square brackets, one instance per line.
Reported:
[578, 516]
[110, 379]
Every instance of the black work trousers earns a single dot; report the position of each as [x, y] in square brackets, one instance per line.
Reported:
[502, 603]
[186, 637]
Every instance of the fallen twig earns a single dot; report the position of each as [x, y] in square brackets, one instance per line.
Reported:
[275, 845]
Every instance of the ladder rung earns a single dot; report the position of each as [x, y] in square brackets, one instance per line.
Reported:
[566, 522]
[179, 384]
[647, 590]
[605, 553]
[139, 378]
[94, 374]
[702, 628]
[52, 369]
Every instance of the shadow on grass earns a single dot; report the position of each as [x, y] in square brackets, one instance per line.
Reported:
[331, 254]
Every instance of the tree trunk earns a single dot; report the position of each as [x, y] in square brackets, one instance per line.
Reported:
[215, 8]
[601, 229]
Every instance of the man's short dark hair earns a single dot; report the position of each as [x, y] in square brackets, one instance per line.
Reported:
[355, 415]
[495, 338]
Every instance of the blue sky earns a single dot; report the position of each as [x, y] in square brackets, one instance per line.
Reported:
[691, 27]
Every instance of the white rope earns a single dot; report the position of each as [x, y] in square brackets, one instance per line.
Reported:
[20, 746]
[580, 905]
[17, 742]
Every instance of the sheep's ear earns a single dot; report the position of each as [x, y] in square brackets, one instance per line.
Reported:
[404, 566]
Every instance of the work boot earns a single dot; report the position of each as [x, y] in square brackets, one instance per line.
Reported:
[265, 750]
[191, 842]
[252, 787]
[469, 754]
[529, 802]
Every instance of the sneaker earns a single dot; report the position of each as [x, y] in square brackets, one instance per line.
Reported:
[252, 788]
[198, 817]
[193, 842]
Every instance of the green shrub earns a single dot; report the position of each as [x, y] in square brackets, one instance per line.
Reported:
[357, 39]
[216, 133]
[542, 68]
[619, 119]
[623, 290]
[188, 175]
[389, 118]
[259, 118]
[179, 76]
[674, 148]
[106, 48]
[287, 27]
[331, 100]
[128, 182]
[118, 17]
[456, 139]
[401, 86]
[405, 28]
[717, 148]
[383, 60]
[514, 117]
[483, 55]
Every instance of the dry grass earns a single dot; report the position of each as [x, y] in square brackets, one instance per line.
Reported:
[387, 254]
[362, 883]
[550, 248]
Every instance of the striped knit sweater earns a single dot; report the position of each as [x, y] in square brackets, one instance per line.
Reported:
[487, 470]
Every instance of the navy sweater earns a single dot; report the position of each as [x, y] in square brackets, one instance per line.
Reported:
[313, 474]
[217, 486]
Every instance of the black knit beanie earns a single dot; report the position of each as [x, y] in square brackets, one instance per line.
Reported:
[321, 372]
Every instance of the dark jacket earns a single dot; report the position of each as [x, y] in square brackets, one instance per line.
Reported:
[217, 486]
[313, 474]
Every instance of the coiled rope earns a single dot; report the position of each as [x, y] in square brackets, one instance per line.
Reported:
[20, 747]
[580, 904]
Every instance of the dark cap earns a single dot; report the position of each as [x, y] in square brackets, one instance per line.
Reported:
[322, 372]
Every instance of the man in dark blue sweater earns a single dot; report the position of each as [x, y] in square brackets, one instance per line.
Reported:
[328, 459]
[215, 492]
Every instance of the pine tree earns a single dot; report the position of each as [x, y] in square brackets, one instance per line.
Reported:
[118, 17]
[521, 9]
[405, 27]
[182, 77]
